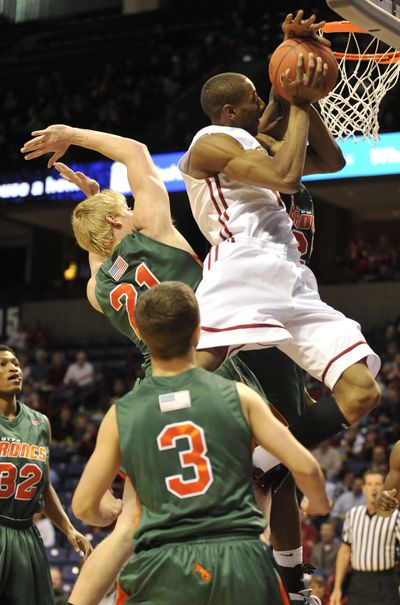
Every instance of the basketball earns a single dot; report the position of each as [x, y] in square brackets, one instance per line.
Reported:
[285, 57]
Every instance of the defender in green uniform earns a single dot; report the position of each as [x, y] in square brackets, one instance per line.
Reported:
[25, 489]
[197, 537]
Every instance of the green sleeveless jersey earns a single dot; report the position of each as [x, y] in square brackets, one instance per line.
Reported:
[24, 456]
[137, 263]
[186, 447]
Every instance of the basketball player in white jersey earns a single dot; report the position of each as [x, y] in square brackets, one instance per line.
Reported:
[269, 298]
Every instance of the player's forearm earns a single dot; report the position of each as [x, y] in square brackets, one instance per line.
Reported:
[54, 511]
[323, 154]
[342, 563]
[312, 485]
[290, 157]
[101, 569]
[119, 149]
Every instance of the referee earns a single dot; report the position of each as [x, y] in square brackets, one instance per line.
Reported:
[369, 544]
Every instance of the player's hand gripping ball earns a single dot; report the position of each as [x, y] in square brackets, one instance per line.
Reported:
[286, 55]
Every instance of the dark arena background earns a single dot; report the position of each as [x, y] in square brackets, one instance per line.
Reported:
[135, 68]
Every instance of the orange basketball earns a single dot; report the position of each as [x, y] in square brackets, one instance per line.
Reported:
[285, 57]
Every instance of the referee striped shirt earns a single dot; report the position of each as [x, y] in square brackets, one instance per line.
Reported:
[372, 539]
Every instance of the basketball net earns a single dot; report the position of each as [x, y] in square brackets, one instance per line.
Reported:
[351, 108]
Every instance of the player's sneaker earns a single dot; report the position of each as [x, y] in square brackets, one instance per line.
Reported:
[304, 597]
[293, 581]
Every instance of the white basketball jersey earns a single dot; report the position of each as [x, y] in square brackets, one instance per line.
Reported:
[224, 208]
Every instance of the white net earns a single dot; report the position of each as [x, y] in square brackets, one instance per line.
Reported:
[351, 109]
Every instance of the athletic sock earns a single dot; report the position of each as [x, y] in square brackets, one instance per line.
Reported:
[289, 558]
[289, 564]
[319, 422]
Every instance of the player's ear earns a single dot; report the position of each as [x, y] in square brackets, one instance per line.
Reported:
[229, 111]
[113, 220]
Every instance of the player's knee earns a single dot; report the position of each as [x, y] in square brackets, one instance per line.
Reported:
[363, 399]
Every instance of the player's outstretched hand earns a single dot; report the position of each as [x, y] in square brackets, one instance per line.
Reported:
[79, 543]
[306, 28]
[387, 503]
[87, 185]
[55, 139]
[307, 86]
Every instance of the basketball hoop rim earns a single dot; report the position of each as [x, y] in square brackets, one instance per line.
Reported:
[337, 27]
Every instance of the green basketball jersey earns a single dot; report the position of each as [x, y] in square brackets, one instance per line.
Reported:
[24, 455]
[137, 263]
[187, 448]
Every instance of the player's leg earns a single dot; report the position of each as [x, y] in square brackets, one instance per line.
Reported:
[331, 348]
[28, 575]
[100, 570]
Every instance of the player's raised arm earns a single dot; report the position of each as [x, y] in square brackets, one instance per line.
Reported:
[91, 501]
[323, 154]
[214, 153]
[101, 569]
[276, 438]
[151, 198]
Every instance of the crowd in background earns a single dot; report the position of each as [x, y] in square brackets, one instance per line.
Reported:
[367, 261]
[137, 76]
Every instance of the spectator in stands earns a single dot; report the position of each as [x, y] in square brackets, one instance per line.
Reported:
[62, 427]
[318, 587]
[379, 460]
[25, 366]
[57, 579]
[87, 442]
[81, 373]
[80, 420]
[57, 371]
[348, 500]
[323, 554]
[329, 458]
[37, 337]
[39, 369]
[309, 536]
[344, 483]
[46, 529]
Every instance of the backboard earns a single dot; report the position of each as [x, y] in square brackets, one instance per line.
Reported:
[381, 18]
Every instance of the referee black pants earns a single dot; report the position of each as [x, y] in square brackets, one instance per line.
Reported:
[373, 588]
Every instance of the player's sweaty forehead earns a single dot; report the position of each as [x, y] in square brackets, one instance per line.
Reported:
[7, 357]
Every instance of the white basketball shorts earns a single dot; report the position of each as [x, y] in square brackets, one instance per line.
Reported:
[253, 296]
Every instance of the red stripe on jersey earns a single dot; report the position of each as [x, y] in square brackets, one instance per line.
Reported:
[216, 252]
[224, 204]
[357, 344]
[240, 327]
[220, 219]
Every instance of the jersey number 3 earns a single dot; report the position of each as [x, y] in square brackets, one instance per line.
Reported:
[194, 457]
